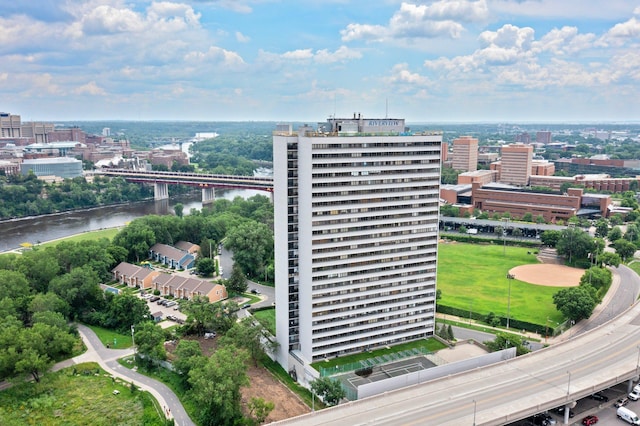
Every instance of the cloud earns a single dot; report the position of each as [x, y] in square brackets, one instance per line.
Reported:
[90, 88]
[242, 38]
[412, 21]
[323, 56]
[622, 33]
[401, 75]
[240, 6]
[216, 55]
[565, 41]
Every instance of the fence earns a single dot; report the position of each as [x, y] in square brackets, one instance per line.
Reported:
[371, 362]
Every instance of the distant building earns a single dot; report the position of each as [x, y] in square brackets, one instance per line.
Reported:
[188, 288]
[171, 257]
[515, 164]
[543, 137]
[134, 276]
[479, 176]
[522, 138]
[63, 167]
[465, 154]
[10, 126]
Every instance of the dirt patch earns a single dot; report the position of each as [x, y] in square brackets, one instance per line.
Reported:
[265, 386]
[262, 385]
[548, 274]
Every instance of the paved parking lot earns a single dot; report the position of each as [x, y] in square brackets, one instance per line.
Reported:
[154, 307]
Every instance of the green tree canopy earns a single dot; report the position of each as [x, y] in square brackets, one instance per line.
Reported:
[252, 246]
[237, 282]
[508, 340]
[576, 303]
[328, 389]
[215, 387]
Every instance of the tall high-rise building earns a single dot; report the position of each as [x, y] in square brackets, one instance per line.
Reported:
[356, 233]
[465, 154]
[10, 126]
[543, 137]
[515, 164]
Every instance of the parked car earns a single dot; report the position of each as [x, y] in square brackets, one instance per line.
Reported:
[634, 395]
[539, 420]
[161, 301]
[246, 305]
[637, 387]
[255, 291]
[560, 410]
[154, 298]
[621, 402]
[170, 303]
[210, 335]
[599, 396]
[172, 318]
[590, 420]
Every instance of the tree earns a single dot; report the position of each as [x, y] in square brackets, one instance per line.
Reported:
[125, 310]
[462, 229]
[610, 259]
[575, 303]
[329, 390]
[632, 234]
[252, 246]
[179, 209]
[237, 282]
[602, 228]
[80, 289]
[527, 217]
[203, 316]
[575, 244]
[215, 387]
[205, 266]
[149, 339]
[550, 238]
[259, 410]
[188, 356]
[614, 234]
[507, 340]
[596, 277]
[137, 238]
[40, 267]
[625, 249]
[248, 335]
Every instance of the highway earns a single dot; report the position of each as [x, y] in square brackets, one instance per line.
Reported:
[507, 391]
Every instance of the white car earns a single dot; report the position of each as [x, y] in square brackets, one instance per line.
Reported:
[636, 388]
[634, 395]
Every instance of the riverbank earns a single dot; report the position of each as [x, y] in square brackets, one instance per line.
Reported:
[96, 234]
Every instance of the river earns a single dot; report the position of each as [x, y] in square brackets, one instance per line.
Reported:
[45, 228]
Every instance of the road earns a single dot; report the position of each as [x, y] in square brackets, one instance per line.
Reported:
[107, 359]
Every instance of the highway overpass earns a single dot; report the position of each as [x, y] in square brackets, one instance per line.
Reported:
[507, 391]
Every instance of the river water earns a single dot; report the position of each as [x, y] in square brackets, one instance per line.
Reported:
[45, 228]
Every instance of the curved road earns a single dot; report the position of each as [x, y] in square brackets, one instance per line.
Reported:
[107, 359]
[514, 389]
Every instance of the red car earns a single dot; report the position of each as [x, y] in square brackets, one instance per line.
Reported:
[590, 420]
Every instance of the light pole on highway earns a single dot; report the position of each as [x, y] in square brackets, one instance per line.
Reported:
[569, 383]
[474, 412]
[638, 363]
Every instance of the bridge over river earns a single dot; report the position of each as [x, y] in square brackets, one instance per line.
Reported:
[207, 182]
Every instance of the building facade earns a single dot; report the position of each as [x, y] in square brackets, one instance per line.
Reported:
[465, 154]
[356, 232]
[515, 164]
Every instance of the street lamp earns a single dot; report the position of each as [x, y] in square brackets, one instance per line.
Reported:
[638, 363]
[504, 236]
[474, 412]
[569, 383]
[133, 339]
[509, 278]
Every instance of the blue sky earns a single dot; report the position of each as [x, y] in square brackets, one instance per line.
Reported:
[305, 60]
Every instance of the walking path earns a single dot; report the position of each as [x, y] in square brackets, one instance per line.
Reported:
[108, 360]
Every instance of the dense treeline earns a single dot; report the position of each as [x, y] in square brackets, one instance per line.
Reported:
[233, 154]
[28, 196]
[44, 288]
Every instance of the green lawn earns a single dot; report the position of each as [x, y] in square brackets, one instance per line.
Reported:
[267, 318]
[473, 277]
[85, 398]
[108, 337]
[86, 236]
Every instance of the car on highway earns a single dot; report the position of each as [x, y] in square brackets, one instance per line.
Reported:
[590, 420]
[599, 396]
[634, 395]
[621, 402]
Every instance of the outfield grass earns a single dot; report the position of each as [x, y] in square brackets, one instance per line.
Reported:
[473, 277]
[85, 398]
[107, 337]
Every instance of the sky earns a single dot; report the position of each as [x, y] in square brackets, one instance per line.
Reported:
[307, 60]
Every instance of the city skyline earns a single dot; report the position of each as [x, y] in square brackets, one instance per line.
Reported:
[437, 61]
